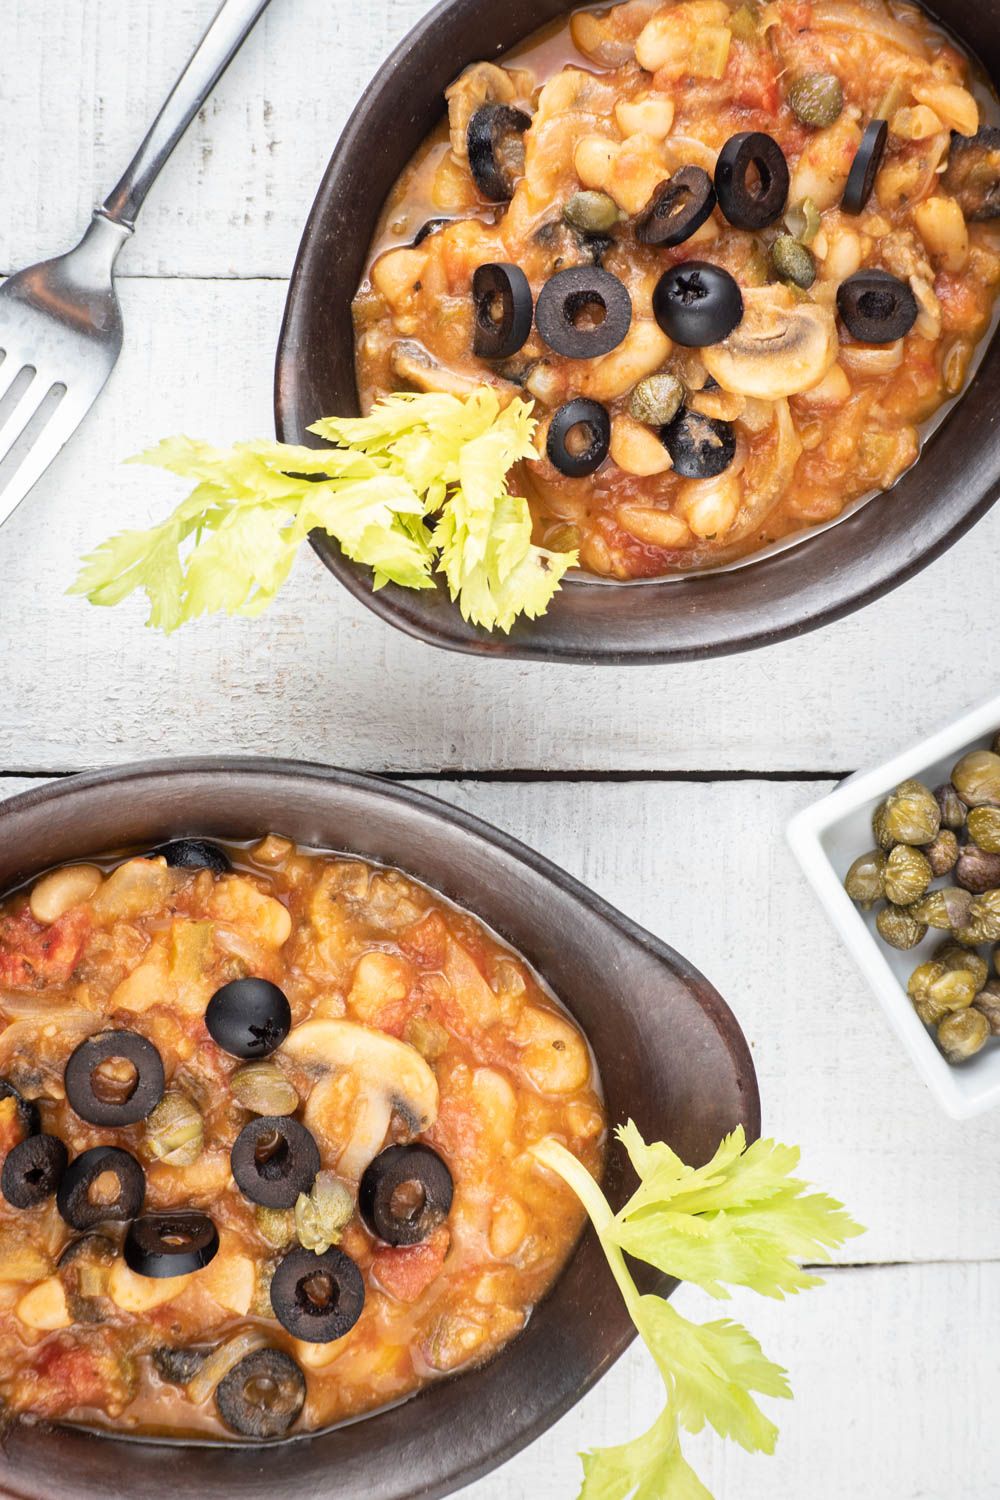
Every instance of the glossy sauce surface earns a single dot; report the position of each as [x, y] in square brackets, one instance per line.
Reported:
[144, 949]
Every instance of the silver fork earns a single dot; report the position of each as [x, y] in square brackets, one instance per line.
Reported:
[60, 320]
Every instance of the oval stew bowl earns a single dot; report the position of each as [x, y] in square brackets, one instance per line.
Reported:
[668, 1050]
[829, 572]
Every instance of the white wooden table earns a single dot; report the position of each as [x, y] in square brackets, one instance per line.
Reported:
[666, 789]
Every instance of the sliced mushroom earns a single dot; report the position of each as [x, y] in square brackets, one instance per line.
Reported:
[779, 349]
[365, 1076]
[412, 363]
[973, 173]
[482, 83]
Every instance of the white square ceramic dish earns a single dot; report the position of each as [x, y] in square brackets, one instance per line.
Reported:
[828, 836]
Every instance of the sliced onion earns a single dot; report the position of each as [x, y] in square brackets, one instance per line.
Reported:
[219, 1363]
[865, 359]
[24, 1033]
[836, 15]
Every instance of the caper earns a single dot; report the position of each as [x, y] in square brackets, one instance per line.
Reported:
[865, 880]
[942, 853]
[988, 1002]
[976, 778]
[962, 1035]
[995, 747]
[793, 262]
[985, 915]
[803, 221]
[264, 1089]
[260, 1303]
[911, 814]
[907, 875]
[984, 827]
[591, 212]
[816, 98]
[276, 1226]
[880, 827]
[175, 1131]
[946, 908]
[951, 806]
[920, 989]
[322, 1215]
[657, 399]
[942, 990]
[975, 869]
[899, 927]
[953, 956]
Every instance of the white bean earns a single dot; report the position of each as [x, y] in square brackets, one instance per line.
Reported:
[56, 893]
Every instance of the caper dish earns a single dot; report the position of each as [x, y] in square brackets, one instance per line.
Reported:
[265, 1119]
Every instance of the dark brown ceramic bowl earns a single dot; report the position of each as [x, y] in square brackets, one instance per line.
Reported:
[820, 579]
[670, 1053]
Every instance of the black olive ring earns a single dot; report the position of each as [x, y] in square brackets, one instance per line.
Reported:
[498, 337]
[696, 303]
[193, 854]
[678, 207]
[569, 293]
[160, 1245]
[33, 1170]
[144, 1095]
[699, 447]
[752, 203]
[405, 1167]
[593, 418]
[273, 1160]
[490, 128]
[318, 1298]
[864, 167]
[876, 307]
[262, 1395]
[248, 1017]
[73, 1196]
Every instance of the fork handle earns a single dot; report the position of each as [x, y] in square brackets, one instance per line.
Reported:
[215, 52]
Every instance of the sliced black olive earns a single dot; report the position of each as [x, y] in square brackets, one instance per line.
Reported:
[587, 419]
[864, 167]
[74, 1201]
[696, 303]
[504, 308]
[677, 208]
[178, 1366]
[876, 307]
[317, 1297]
[262, 1396]
[405, 1193]
[699, 447]
[193, 854]
[248, 1017]
[751, 180]
[973, 173]
[568, 296]
[496, 151]
[105, 1095]
[431, 227]
[159, 1245]
[83, 1268]
[274, 1159]
[27, 1109]
[33, 1170]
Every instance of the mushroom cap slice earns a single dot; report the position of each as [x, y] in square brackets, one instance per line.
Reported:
[780, 347]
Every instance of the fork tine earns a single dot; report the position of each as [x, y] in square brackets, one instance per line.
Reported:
[49, 441]
[21, 414]
[10, 369]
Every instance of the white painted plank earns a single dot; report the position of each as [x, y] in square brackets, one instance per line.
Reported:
[705, 867]
[80, 81]
[321, 677]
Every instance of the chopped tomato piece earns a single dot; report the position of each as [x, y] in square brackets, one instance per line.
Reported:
[426, 941]
[68, 1375]
[406, 1271]
[960, 308]
[32, 956]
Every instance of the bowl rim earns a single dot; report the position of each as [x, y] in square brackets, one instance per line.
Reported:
[832, 588]
[805, 833]
[50, 800]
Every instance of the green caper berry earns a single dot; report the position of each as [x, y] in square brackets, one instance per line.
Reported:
[953, 956]
[656, 400]
[175, 1131]
[899, 928]
[946, 908]
[276, 1226]
[951, 806]
[865, 880]
[984, 915]
[322, 1215]
[263, 1088]
[816, 99]
[984, 826]
[591, 212]
[976, 778]
[912, 814]
[880, 827]
[793, 262]
[907, 875]
[942, 854]
[962, 1035]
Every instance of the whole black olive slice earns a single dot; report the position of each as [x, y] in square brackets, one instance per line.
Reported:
[262, 1395]
[159, 1245]
[248, 1017]
[699, 447]
[405, 1193]
[496, 152]
[751, 180]
[677, 208]
[504, 308]
[193, 854]
[74, 1201]
[87, 1261]
[26, 1109]
[33, 1170]
[973, 173]
[274, 1159]
[427, 229]
[876, 307]
[567, 296]
[696, 303]
[98, 1095]
[178, 1365]
[592, 422]
[317, 1297]
[864, 167]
